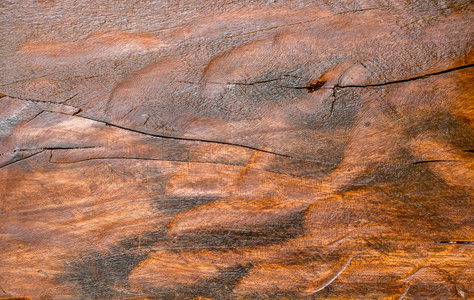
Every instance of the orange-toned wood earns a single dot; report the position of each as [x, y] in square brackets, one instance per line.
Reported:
[236, 150]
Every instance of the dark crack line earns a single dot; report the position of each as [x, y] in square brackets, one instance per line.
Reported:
[408, 79]
[67, 148]
[194, 139]
[433, 161]
[333, 102]
[1, 288]
[361, 10]
[70, 98]
[237, 83]
[312, 88]
[34, 117]
[76, 114]
[21, 159]
[456, 242]
[246, 83]
[255, 148]
[146, 121]
[100, 158]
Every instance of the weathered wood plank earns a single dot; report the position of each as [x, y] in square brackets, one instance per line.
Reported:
[236, 150]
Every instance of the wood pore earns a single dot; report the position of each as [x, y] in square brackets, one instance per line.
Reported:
[236, 149]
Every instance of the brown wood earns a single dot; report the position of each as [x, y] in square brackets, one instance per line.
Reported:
[236, 150]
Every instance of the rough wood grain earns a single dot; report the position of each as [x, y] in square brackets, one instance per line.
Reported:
[236, 150]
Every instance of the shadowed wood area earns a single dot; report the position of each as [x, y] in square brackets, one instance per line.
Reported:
[236, 149]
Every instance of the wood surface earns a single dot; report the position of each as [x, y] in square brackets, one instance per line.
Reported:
[236, 149]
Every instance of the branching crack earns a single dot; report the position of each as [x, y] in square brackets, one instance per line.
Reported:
[311, 88]
[320, 84]
[195, 139]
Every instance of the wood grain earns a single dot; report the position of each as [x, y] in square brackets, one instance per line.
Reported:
[236, 150]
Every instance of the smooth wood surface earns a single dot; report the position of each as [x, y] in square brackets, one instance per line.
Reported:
[236, 149]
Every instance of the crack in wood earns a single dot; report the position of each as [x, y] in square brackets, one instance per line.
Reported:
[47, 148]
[412, 78]
[319, 84]
[434, 161]
[456, 242]
[194, 139]
[310, 87]
[21, 159]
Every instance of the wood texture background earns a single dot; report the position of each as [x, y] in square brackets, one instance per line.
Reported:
[236, 149]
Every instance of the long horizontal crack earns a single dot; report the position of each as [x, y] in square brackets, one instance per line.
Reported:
[433, 161]
[320, 84]
[103, 158]
[311, 87]
[165, 136]
[195, 139]
[456, 242]
[66, 148]
[410, 79]
[240, 83]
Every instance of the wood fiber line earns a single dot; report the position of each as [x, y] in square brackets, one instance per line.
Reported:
[236, 150]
